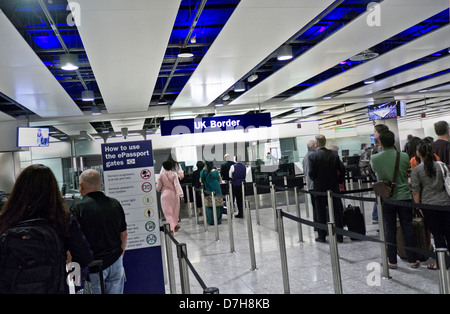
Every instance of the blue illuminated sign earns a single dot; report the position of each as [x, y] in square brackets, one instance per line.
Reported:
[215, 124]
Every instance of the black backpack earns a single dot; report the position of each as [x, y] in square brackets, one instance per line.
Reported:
[32, 259]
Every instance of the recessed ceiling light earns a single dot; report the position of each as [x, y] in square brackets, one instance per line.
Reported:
[87, 95]
[284, 53]
[252, 78]
[185, 53]
[69, 62]
[369, 80]
[239, 87]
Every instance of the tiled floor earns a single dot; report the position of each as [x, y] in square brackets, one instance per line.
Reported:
[309, 262]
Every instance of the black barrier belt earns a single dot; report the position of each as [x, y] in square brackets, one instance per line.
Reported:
[417, 205]
[194, 271]
[358, 236]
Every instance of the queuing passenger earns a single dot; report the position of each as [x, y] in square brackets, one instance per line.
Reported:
[197, 185]
[225, 167]
[312, 146]
[377, 130]
[237, 174]
[406, 148]
[210, 177]
[427, 184]
[36, 195]
[383, 164]
[441, 146]
[175, 167]
[415, 160]
[327, 171]
[171, 192]
[102, 220]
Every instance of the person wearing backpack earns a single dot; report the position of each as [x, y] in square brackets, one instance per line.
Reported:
[36, 232]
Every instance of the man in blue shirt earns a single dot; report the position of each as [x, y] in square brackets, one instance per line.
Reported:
[237, 173]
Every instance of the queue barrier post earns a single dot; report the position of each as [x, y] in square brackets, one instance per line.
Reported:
[297, 208]
[361, 203]
[169, 254]
[202, 193]
[335, 265]
[211, 290]
[330, 206]
[230, 223]
[188, 200]
[283, 255]
[255, 195]
[274, 204]
[194, 200]
[251, 242]
[216, 226]
[384, 257]
[230, 191]
[184, 273]
[286, 193]
[444, 283]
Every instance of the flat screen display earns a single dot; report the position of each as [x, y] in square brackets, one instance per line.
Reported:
[32, 137]
[387, 110]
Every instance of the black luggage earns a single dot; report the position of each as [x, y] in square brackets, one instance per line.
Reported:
[354, 220]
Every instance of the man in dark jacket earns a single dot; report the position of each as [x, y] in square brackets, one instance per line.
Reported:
[327, 171]
[237, 174]
[102, 221]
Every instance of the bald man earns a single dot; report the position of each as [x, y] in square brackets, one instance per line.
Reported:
[102, 221]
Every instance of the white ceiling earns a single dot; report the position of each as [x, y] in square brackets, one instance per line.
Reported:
[126, 42]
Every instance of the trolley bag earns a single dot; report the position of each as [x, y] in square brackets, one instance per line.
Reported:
[354, 220]
[423, 237]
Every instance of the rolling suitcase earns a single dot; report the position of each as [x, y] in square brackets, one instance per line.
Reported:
[354, 220]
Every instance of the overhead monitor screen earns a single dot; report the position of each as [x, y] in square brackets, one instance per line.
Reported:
[32, 137]
[387, 110]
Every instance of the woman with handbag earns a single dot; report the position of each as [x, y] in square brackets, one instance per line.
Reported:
[210, 177]
[427, 184]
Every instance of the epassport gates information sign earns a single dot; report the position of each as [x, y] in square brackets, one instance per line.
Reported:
[129, 177]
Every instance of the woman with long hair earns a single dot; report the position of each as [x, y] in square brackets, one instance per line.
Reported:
[171, 192]
[427, 184]
[36, 195]
[210, 177]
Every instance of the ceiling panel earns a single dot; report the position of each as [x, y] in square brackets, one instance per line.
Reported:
[125, 42]
[25, 79]
[255, 30]
[354, 38]
[409, 52]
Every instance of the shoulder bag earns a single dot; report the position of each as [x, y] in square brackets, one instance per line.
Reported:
[385, 189]
[446, 177]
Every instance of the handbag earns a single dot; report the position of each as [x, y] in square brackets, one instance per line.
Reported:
[385, 189]
[446, 177]
[209, 202]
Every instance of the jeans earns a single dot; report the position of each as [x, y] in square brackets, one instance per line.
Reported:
[113, 277]
[405, 216]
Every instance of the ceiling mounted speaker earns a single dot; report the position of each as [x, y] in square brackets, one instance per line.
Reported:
[364, 56]
[69, 62]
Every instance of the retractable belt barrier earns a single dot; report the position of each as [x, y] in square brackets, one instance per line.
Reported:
[183, 258]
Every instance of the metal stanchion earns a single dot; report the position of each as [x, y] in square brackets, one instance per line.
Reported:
[335, 266]
[230, 191]
[169, 254]
[184, 273]
[204, 208]
[384, 257]
[361, 203]
[286, 193]
[255, 194]
[444, 283]
[308, 204]
[194, 200]
[216, 226]
[251, 242]
[297, 208]
[211, 290]
[243, 197]
[274, 205]
[188, 199]
[283, 256]
[230, 224]
[330, 207]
